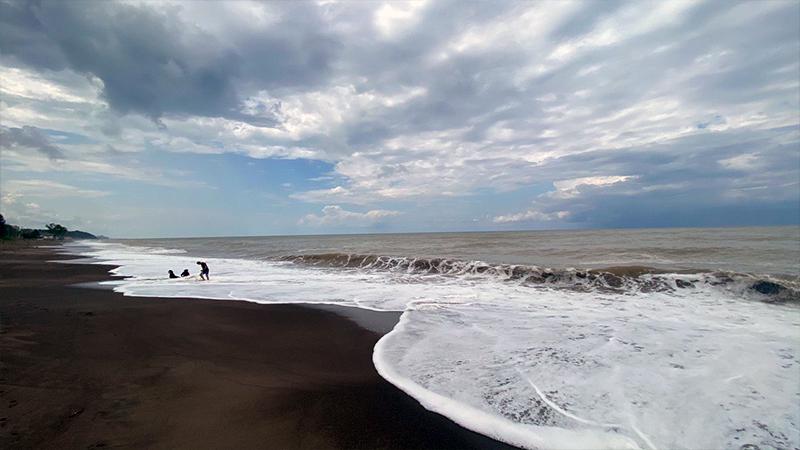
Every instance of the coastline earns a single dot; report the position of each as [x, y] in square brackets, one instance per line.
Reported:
[91, 368]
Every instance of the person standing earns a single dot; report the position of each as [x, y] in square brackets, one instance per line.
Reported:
[203, 270]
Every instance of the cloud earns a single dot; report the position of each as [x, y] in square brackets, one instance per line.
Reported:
[156, 60]
[19, 207]
[427, 100]
[10, 198]
[322, 195]
[394, 17]
[29, 138]
[564, 189]
[14, 160]
[742, 162]
[572, 187]
[679, 183]
[335, 215]
[531, 216]
[492, 132]
[47, 188]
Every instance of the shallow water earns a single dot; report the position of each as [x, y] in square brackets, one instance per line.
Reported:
[768, 250]
[651, 359]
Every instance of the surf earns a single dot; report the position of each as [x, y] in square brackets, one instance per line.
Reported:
[616, 279]
[540, 365]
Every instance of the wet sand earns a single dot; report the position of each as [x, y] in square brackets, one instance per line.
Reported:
[90, 368]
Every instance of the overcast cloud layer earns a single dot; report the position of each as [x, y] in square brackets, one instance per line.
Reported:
[206, 118]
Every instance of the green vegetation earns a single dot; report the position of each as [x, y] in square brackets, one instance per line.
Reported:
[31, 234]
[56, 230]
[51, 231]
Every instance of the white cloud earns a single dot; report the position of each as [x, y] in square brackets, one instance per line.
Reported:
[10, 198]
[531, 216]
[46, 188]
[335, 215]
[15, 161]
[393, 17]
[323, 111]
[740, 162]
[572, 187]
[64, 87]
[20, 210]
[321, 195]
[564, 190]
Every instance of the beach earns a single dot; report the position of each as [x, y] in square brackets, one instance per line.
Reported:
[84, 367]
[543, 340]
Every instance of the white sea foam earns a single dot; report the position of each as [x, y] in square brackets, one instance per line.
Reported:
[541, 367]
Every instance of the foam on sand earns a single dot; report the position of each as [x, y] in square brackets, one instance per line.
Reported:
[541, 366]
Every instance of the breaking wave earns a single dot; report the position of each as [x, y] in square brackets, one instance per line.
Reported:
[632, 279]
[618, 357]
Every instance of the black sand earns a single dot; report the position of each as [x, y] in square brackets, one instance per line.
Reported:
[89, 368]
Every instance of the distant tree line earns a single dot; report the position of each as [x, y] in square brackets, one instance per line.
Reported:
[51, 231]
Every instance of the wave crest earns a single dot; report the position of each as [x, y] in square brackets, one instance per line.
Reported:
[617, 279]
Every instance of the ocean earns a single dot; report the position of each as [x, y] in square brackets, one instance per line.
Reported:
[647, 338]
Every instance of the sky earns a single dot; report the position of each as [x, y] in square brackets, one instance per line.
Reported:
[147, 119]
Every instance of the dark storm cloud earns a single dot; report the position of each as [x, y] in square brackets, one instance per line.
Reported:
[29, 138]
[154, 63]
[134, 51]
[23, 34]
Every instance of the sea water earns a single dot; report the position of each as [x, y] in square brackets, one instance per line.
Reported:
[671, 338]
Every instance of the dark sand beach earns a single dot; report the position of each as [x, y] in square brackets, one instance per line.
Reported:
[90, 368]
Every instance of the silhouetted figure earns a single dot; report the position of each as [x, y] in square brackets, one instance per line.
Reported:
[172, 274]
[203, 270]
[185, 273]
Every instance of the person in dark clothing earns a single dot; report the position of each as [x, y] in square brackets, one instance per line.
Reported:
[172, 274]
[203, 270]
[185, 273]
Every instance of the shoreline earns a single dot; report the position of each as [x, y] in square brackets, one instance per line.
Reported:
[91, 368]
